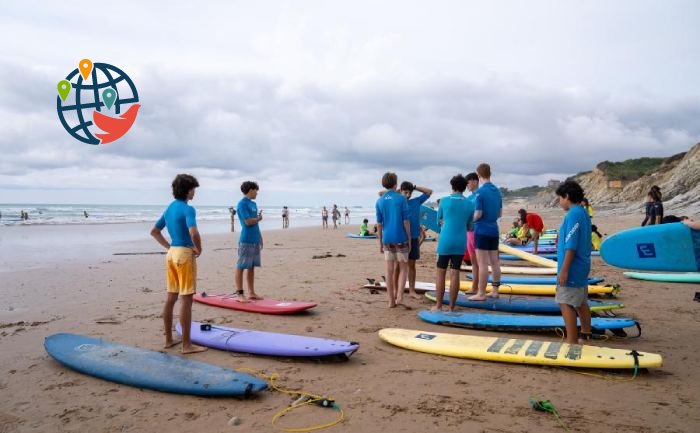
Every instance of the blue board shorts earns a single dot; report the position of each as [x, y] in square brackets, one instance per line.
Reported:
[248, 256]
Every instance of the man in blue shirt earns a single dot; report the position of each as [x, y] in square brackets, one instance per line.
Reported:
[394, 234]
[250, 244]
[454, 215]
[574, 262]
[180, 263]
[414, 205]
[489, 207]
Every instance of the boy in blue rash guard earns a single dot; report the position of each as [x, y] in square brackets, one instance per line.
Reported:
[394, 234]
[414, 205]
[489, 208]
[250, 244]
[180, 263]
[455, 215]
[573, 262]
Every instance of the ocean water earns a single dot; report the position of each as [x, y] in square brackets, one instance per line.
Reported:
[63, 214]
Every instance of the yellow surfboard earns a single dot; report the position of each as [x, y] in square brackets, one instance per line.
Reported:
[506, 289]
[519, 351]
[532, 258]
[519, 270]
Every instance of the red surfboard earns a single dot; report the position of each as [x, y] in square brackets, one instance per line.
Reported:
[264, 306]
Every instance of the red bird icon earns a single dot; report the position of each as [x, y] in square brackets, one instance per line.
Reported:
[115, 127]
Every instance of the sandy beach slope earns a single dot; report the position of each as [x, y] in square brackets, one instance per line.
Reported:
[381, 388]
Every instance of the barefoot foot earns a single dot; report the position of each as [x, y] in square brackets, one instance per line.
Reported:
[186, 350]
[171, 343]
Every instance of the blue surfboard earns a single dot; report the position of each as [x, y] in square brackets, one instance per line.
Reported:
[358, 236]
[665, 247]
[428, 218]
[146, 368]
[516, 322]
[522, 304]
[535, 280]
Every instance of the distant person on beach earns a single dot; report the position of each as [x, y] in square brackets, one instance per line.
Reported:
[472, 186]
[232, 211]
[364, 231]
[574, 263]
[285, 217]
[517, 236]
[454, 215]
[85, 213]
[488, 209]
[394, 233]
[324, 217]
[533, 227]
[596, 237]
[654, 207]
[587, 206]
[414, 205]
[181, 261]
[250, 244]
[347, 215]
[336, 216]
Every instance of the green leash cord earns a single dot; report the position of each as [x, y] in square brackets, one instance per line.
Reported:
[548, 406]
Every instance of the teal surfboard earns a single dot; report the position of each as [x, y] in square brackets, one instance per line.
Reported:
[690, 277]
[665, 247]
[428, 218]
[146, 368]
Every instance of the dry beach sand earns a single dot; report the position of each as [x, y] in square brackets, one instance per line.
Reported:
[381, 388]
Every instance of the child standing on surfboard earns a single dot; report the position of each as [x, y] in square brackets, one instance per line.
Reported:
[181, 266]
[250, 244]
[574, 262]
[394, 234]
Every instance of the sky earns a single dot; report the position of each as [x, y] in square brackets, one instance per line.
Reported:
[315, 100]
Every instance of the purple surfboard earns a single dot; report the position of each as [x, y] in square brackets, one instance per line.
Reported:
[268, 343]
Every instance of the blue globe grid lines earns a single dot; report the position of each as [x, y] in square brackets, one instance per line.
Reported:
[79, 86]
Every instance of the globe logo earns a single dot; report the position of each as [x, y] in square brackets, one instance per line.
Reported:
[97, 103]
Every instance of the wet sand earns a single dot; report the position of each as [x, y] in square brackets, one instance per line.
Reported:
[381, 387]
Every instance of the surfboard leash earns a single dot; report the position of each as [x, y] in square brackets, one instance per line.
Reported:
[548, 406]
[303, 398]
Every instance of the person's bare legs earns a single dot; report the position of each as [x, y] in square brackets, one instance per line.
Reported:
[402, 271]
[391, 282]
[439, 288]
[454, 287]
[584, 313]
[482, 258]
[475, 274]
[168, 321]
[250, 281]
[569, 314]
[186, 324]
[495, 263]
[412, 279]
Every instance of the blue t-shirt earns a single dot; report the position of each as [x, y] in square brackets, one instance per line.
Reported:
[472, 199]
[575, 234]
[456, 213]
[392, 211]
[178, 218]
[414, 213]
[488, 201]
[247, 209]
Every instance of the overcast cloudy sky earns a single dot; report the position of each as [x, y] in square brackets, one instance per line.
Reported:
[317, 99]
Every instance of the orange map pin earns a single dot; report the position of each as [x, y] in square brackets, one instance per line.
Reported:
[85, 67]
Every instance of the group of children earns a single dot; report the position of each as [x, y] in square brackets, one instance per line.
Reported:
[468, 223]
[185, 246]
[471, 223]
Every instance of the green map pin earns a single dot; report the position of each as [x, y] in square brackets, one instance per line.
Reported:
[64, 87]
[109, 95]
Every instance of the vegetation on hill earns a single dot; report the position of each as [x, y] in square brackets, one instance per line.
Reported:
[528, 191]
[631, 169]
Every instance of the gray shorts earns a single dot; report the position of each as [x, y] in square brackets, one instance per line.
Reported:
[248, 256]
[574, 296]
